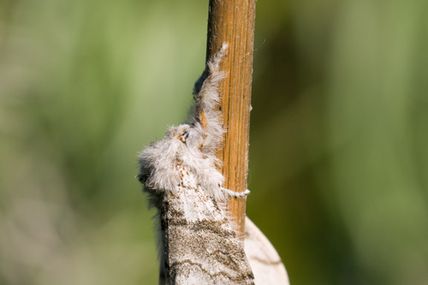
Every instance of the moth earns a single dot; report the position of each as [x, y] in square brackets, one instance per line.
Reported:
[197, 238]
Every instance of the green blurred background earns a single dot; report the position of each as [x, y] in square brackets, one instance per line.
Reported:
[339, 136]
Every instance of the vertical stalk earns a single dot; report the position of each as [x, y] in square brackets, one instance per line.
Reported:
[232, 21]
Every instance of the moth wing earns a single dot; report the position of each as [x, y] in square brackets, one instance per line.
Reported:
[265, 262]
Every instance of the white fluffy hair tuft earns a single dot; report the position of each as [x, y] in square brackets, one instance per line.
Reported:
[192, 144]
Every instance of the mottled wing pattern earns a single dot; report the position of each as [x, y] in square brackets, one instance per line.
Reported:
[203, 247]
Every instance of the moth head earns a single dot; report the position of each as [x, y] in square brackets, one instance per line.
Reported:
[180, 132]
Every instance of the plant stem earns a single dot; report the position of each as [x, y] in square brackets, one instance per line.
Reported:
[232, 21]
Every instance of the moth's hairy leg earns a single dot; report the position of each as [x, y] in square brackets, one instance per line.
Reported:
[214, 76]
[214, 62]
[207, 112]
[212, 66]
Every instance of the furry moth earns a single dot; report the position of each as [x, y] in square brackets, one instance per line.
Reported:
[198, 242]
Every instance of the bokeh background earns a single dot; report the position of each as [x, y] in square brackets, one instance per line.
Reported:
[339, 136]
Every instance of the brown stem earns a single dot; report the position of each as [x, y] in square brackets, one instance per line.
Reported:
[232, 21]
